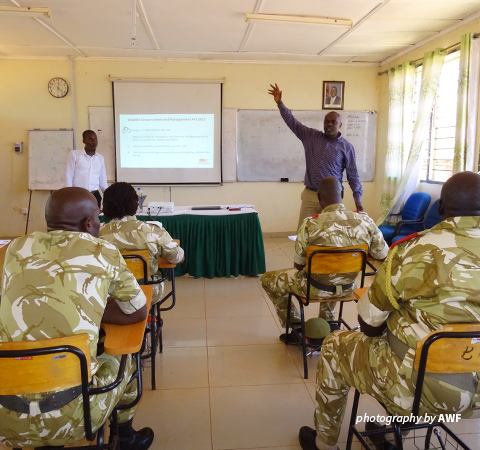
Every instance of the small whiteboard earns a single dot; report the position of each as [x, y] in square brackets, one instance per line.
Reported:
[267, 150]
[47, 157]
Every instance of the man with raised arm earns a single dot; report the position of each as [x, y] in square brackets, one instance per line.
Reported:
[327, 154]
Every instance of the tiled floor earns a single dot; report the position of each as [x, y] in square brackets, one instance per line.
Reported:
[224, 380]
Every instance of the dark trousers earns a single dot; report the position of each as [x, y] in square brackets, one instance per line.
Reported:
[97, 195]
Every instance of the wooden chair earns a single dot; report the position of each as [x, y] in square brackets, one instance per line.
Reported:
[137, 262]
[27, 367]
[453, 350]
[327, 260]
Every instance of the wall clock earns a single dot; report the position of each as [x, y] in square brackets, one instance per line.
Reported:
[58, 87]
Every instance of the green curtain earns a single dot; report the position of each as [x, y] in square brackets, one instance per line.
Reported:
[406, 182]
[461, 133]
[401, 81]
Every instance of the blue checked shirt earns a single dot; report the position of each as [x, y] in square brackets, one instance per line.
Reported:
[324, 158]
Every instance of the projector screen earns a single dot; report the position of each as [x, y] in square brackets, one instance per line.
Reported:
[168, 132]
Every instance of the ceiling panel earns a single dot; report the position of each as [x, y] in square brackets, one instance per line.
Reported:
[393, 25]
[384, 39]
[215, 30]
[427, 9]
[304, 39]
[186, 25]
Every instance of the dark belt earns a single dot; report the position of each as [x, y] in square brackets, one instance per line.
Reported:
[52, 402]
[463, 381]
[329, 287]
[310, 189]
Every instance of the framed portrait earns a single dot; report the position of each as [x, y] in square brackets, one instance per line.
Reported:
[333, 94]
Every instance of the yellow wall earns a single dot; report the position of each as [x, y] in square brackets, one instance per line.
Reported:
[25, 104]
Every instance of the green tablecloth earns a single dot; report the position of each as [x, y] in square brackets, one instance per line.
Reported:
[217, 245]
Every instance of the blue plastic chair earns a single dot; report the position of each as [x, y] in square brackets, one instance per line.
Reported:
[412, 217]
[431, 219]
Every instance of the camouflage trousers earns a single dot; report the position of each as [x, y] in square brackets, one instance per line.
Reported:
[65, 425]
[278, 284]
[351, 359]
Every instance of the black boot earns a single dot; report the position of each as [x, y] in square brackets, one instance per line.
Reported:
[134, 440]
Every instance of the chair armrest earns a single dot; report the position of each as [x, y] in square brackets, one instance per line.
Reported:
[399, 225]
[126, 339]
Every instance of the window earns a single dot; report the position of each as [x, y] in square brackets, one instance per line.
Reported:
[438, 147]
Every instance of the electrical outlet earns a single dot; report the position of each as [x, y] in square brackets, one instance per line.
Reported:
[24, 210]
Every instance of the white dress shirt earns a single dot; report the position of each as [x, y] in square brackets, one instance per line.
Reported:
[85, 171]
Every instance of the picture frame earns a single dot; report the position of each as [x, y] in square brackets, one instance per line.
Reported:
[333, 87]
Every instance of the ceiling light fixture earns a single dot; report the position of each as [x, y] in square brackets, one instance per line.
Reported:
[297, 19]
[25, 11]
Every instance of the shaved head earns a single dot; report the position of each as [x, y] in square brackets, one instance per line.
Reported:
[460, 195]
[72, 209]
[329, 191]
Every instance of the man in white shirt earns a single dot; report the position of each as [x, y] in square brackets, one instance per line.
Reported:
[86, 168]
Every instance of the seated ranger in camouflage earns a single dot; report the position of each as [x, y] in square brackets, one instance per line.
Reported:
[434, 280]
[56, 284]
[333, 227]
[120, 203]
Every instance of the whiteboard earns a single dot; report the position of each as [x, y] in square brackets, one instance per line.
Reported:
[267, 150]
[47, 157]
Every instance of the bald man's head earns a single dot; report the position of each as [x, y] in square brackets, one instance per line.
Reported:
[460, 195]
[72, 209]
[329, 191]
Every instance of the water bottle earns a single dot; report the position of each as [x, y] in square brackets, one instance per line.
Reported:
[141, 198]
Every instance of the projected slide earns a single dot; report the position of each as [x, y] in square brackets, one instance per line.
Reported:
[168, 133]
[167, 140]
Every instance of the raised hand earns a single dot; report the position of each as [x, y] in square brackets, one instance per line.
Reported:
[276, 92]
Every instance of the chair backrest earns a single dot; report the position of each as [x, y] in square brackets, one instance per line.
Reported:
[455, 349]
[415, 206]
[137, 262]
[30, 367]
[331, 260]
[433, 217]
[328, 260]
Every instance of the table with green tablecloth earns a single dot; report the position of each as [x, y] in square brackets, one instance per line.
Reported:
[217, 243]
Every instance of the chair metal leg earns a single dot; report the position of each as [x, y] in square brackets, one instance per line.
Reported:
[356, 399]
[153, 347]
[304, 342]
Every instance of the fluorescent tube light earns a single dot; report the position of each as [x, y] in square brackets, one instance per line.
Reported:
[25, 11]
[297, 19]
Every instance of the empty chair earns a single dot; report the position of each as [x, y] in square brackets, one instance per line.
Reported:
[431, 219]
[412, 217]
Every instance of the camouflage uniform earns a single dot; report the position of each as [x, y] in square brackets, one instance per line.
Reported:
[435, 278]
[56, 284]
[128, 233]
[334, 227]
